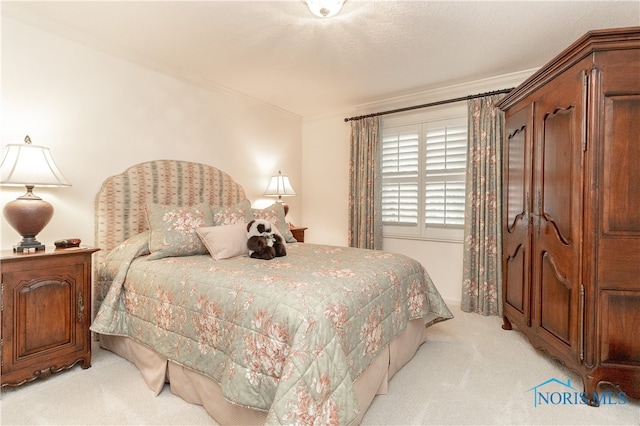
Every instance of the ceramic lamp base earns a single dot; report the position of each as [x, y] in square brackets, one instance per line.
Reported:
[28, 215]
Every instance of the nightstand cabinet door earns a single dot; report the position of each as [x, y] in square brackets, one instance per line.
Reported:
[45, 314]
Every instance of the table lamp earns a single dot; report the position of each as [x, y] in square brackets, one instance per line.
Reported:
[29, 165]
[279, 186]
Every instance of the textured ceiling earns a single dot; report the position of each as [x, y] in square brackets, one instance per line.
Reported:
[278, 53]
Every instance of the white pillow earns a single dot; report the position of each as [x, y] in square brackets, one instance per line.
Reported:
[225, 241]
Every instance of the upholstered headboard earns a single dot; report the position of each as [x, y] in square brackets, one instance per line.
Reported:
[120, 203]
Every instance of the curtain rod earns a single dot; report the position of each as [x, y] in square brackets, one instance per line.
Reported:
[447, 101]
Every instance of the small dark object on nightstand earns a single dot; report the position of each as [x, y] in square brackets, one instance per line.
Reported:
[67, 243]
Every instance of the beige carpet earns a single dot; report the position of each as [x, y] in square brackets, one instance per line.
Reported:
[470, 372]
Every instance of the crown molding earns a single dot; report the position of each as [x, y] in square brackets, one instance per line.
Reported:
[448, 92]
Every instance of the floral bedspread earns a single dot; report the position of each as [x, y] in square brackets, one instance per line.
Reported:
[287, 336]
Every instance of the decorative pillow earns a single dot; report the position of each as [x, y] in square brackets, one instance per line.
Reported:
[173, 229]
[225, 241]
[275, 214]
[237, 213]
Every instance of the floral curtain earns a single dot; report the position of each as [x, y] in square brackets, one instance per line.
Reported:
[482, 270]
[365, 184]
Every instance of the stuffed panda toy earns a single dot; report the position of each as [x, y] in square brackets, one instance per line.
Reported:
[263, 242]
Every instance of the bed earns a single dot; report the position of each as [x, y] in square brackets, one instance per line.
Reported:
[308, 338]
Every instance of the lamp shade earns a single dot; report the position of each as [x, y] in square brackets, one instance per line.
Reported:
[279, 186]
[325, 8]
[28, 164]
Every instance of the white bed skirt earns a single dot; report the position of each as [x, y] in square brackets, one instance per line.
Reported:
[198, 389]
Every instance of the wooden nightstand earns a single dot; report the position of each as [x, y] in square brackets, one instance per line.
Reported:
[45, 312]
[298, 233]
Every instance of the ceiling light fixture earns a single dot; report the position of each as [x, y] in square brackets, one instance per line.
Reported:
[324, 8]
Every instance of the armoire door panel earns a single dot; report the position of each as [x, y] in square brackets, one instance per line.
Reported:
[621, 174]
[516, 278]
[558, 186]
[555, 294]
[618, 228]
[517, 214]
[620, 319]
[517, 184]
[559, 170]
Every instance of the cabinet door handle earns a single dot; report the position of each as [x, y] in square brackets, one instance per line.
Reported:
[80, 308]
[539, 213]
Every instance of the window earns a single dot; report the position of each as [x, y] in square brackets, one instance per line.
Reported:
[423, 176]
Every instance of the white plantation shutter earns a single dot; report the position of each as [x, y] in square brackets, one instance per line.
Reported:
[423, 178]
[400, 203]
[445, 162]
[400, 170]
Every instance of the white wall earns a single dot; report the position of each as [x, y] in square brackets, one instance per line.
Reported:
[325, 179]
[99, 115]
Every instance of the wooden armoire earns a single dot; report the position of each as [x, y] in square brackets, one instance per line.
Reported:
[571, 212]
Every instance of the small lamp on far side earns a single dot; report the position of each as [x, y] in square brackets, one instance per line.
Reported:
[279, 186]
[29, 165]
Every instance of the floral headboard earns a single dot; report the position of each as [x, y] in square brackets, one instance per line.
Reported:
[120, 203]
